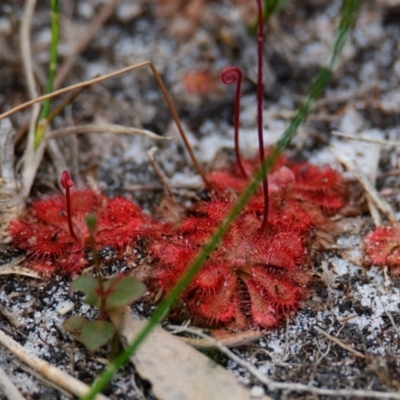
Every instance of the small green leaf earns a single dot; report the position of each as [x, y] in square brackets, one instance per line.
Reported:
[96, 334]
[74, 324]
[88, 285]
[124, 291]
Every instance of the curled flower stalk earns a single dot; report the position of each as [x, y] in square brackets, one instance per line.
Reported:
[229, 76]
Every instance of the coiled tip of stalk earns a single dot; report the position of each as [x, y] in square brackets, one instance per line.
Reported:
[229, 76]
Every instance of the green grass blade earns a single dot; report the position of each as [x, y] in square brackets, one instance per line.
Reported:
[348, 15]
[45, 111]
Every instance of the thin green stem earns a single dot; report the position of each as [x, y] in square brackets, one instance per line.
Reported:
[91, 222]
[348, 14]
[55, 28]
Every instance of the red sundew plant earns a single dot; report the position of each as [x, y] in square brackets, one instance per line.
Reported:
[382, 248]
[47, 231]
[253, 279]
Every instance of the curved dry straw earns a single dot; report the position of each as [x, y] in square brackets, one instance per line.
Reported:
[112, 75]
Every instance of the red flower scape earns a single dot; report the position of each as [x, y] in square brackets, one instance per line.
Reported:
[253, 279]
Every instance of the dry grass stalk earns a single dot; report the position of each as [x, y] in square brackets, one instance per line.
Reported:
[10, 201]
[8, 388]
[110, 128]
[228, 340]
[160, 173]
[367, 140]
[14, 269]
[293, 387]
[379, 202]
[32, 159]
[47, 370]
[341, 344]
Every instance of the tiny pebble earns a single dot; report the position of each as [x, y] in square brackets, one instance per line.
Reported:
[257, 392]
[66, 309]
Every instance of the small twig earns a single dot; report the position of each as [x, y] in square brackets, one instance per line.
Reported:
[160, 173]
[382, 204]
[90, 82]
[30, 371]
[294, 387]
[373, 210]
[348, 318]
[8, 388]
[10, 202]
[341, 344]
[229, 340]
[67, 89]
[50, 372]
[57, 158]
[286, 348]
[25, 47]
[156, 186]
[7, 136]
[11, 317]
[389, 315]
[12, 268]
[111, 128]
[274, 360]
[318, 360]
[368, 140]
[223, 349]
[179, 328]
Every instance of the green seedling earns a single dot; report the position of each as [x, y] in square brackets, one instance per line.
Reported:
[104, 295]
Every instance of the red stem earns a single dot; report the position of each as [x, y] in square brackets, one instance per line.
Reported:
[230, 75]
[66, 182]
[260, 47]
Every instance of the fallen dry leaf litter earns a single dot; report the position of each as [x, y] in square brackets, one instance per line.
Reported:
[358, 307]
